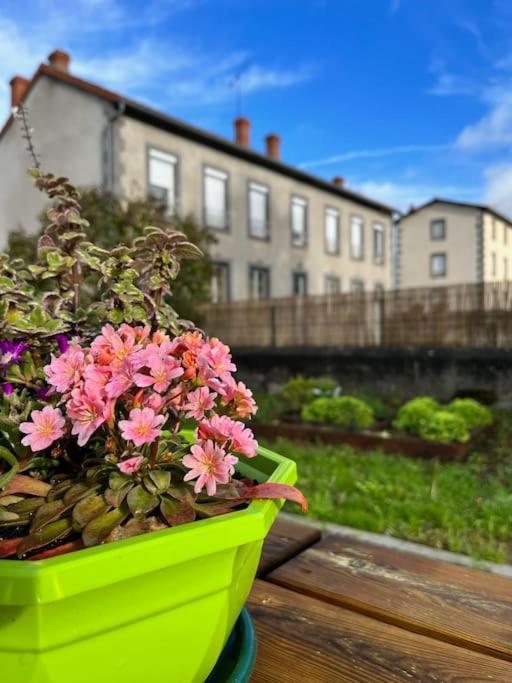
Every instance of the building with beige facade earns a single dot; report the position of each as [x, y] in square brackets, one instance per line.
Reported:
[280, 231]
[444, 242]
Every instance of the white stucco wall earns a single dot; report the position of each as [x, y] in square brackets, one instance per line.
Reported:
[68, 129]
[236, 246]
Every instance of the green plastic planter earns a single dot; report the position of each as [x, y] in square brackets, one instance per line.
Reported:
[157, 607]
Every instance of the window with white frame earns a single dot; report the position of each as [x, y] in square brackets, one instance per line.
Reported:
[505, 268]
[438, 265]
[438, 229]
[259, 282]
[356, 285]
[332, 284]
[493, 265]
[258, 211]
[357, 238]
[299, 214]
[332, 231]
[378, 243]
[162, 177]
[220, 282]
[215, 198]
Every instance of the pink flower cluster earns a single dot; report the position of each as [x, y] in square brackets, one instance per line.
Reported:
[131, 383]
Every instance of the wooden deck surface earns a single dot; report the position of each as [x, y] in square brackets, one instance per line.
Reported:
[329, 609]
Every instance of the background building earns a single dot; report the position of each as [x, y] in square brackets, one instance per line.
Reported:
[445, 242]
[280, 231]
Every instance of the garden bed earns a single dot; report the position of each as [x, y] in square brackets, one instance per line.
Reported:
[369, 440]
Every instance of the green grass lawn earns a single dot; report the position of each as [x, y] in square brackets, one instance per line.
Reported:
[463, 507]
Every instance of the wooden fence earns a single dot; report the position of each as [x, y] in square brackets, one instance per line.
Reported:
[468, 316]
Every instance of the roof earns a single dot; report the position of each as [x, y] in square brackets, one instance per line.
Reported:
[464, 205]
[156, 118]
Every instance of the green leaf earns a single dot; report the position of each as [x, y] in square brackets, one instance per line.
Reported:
[115, 497]
[23, 484]
[175, 512]
[135, 527]
[140, 501]
[11, 460]
[100, 527]
[88, 509]
[161, 479]
[47, 513]
[55, 531]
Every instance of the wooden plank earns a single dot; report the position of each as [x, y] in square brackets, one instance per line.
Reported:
[303, 639]
[286, 539]
[455, 604]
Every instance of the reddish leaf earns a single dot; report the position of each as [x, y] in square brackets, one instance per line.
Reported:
[273, 491]
[8, 547]
[23, 484]
[59, 550]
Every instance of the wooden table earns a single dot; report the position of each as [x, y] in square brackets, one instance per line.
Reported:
[329, 609]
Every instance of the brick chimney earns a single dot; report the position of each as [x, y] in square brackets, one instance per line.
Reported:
[339, 181]
[19, 87]
[273, 146]
[242, 131]
[59, 60]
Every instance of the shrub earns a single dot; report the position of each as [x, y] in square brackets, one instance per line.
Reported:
[299, 391]
[444, 426]
[415, 414]
[346, 411]
[473, 413]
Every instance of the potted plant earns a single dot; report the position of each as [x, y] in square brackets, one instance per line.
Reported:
[133, 500]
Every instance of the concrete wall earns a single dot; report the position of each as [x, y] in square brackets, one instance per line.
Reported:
[403, 373]
[415, 246]
[236, 246]
[69, 133]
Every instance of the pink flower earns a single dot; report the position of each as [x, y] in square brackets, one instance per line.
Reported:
[154, 401]
[161, 374]
[218, 428]
[87, 413]
[96, 378]
[242, 440]
[66, 371]
[46, 427]
[122, 379]
[142, 426]
[198, 402]
[114, 347]
[241, 397]
[131, 465]
[210, 465]
[215, 358]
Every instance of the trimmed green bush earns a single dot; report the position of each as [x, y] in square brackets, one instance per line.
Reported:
[345, 411]
[473, 413]
[415, 414]
[444, 426]
[299, 391]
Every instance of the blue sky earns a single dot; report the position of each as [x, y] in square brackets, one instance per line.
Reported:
[405, 98]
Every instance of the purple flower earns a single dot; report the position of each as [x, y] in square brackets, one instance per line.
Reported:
[63, 342]
[43, 393]
[7, 388]
[11, 352]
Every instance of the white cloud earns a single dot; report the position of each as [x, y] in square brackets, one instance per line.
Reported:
[372, 153]
[498, 187]
[402, 195]
[494, 129]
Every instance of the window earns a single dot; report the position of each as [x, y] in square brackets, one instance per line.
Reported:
[162, 168]
[299, 211]
[357, 238]
[220, 283]
[438, 265]
[493, 229]
[259, 282]
[258, 211]
[356, 285]
[332, 284]
[299, 284]
[505, 233]
[379, 287]
[215, 198]
[505, 268]
[332, 231]
[438, 229]
[493, 265]
[378, 243]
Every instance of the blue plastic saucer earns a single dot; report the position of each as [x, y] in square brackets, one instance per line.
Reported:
[237, 660]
